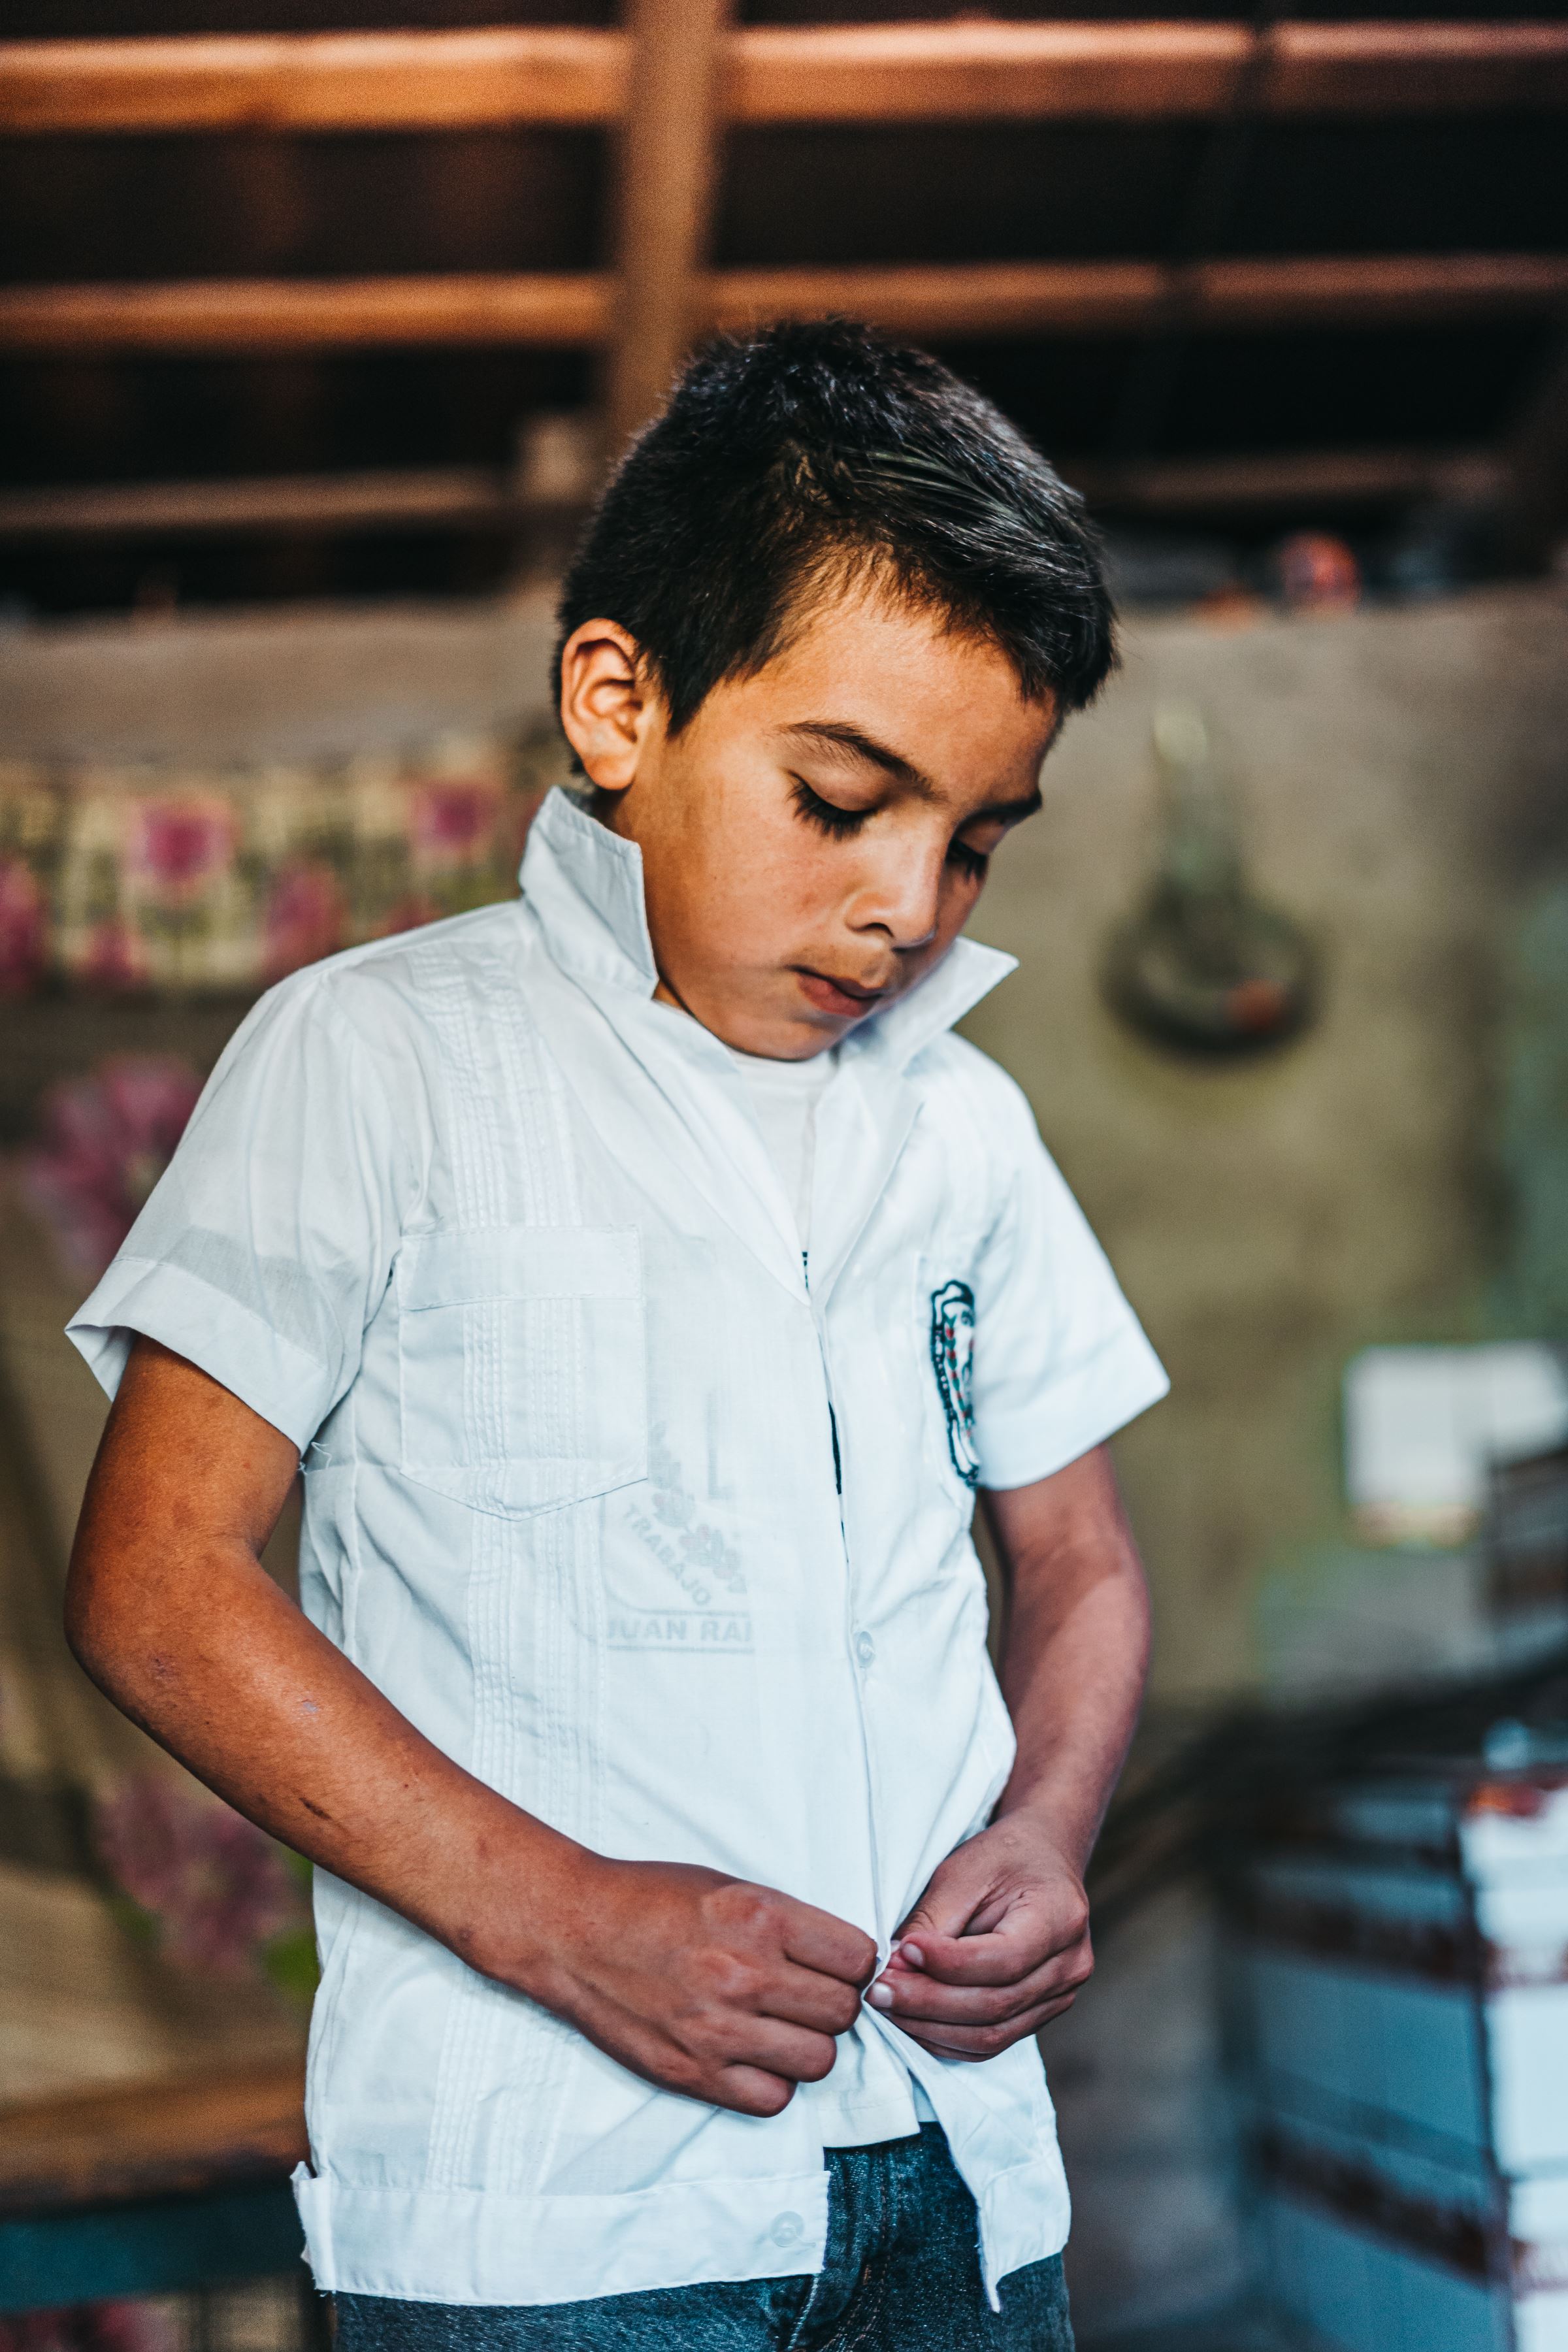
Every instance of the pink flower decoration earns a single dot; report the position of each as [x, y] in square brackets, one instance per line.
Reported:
[306, 918]
[184, 845]
[24, 927]
[217, 1885]
[106, 1140]
[454, 820]
[114, 958]
[406, 915]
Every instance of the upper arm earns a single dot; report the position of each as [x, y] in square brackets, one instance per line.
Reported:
[1076, 1505]
[265, 1249]
[184, 1470]
[1060, 1361]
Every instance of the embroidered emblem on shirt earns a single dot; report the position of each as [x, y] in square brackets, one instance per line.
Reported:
[704, 1548]
[698, 1556]
[953, 1360]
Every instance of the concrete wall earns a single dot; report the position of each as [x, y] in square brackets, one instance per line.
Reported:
[1402, 779]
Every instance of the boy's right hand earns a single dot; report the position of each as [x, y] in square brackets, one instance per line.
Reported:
[705, 1985]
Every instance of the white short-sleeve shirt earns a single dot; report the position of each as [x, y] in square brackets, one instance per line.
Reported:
[655, 1527]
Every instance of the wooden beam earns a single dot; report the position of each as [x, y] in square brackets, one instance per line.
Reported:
[446, 498]
[1002, 298]
[1416, 68]
[1372, 289]
[1286, 477]
[282, 314]
[315, 81]
[997, 72]
[667, 171]
[948, 302]
[941, 301]
[474, 497]
[965, 71]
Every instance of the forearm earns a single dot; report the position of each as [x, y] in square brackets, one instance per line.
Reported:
[169, 1612]
[224, 1672]
[1075, 1658]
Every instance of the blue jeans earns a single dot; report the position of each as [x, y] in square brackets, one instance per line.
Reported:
[902, 2275]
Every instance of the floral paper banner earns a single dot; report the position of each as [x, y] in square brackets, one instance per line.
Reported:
[180, 880]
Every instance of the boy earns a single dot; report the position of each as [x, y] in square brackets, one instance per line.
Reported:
[648, 1281]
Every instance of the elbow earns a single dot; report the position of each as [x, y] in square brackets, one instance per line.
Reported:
[92, 1629]
[83, 1628]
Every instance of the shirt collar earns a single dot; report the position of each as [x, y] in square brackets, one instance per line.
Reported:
[584, 884]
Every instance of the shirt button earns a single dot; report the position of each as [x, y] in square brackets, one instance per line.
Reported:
[865, 1648]
[786, 2229]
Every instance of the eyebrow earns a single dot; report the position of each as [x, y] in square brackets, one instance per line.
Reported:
[1009, 812]
[840, 735]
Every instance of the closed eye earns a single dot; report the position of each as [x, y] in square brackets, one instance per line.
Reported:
[971, 863]
[826, 816]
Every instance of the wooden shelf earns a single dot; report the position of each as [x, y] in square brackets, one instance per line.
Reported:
[148, 2140]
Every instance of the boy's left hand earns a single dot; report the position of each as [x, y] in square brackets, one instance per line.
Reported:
[996, 1947]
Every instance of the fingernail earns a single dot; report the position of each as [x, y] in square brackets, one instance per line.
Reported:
[880, 1997]
[912, 1955]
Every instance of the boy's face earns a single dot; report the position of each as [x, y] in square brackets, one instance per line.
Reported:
[816, 836]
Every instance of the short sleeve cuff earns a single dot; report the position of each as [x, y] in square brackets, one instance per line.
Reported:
[283, 1384]
[1019, 1444]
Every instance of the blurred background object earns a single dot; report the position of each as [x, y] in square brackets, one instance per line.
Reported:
[317, 330]
[1206, 966]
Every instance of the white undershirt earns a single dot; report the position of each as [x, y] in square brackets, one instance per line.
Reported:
[784, 1096]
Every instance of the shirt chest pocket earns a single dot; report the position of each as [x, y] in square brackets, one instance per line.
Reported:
[522, 1364]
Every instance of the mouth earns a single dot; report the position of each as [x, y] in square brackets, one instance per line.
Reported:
[847, 999]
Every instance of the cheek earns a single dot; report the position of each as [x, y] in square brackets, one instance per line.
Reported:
[955, 903]
[746, 894]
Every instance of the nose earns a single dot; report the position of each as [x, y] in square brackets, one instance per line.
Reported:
[900, 896]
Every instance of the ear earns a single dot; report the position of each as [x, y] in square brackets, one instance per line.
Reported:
[607, 705]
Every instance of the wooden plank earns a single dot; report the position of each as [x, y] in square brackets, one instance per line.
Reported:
[667, 169]
[958, 302]
[1372, 289]
[258, 314]
[436, 497]
[1019, 298]
[315, 81]
[963, 71]
[459, 497]
[974, 71]
[164, 2138]
[1306, 477]
[1416, 69]
[997, 72]
[950, 302]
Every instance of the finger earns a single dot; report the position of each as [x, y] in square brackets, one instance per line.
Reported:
[816, 1940]
[750, 2091]
[904, 1995]
[769, 2043]
[995, 1960]
[977, 2042]
[805, 1997]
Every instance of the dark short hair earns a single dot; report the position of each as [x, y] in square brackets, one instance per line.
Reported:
[786, 458]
